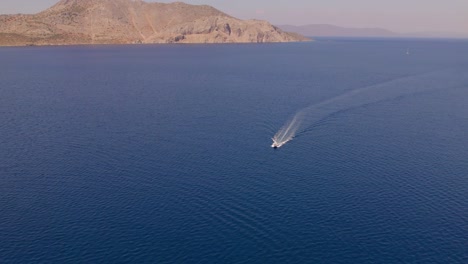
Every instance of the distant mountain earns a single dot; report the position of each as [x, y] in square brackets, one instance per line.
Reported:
[325, 30]
[134, 21]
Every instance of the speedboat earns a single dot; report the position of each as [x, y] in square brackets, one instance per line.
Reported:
[275, 144]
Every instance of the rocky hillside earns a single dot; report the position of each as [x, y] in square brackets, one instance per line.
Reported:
[134, 21]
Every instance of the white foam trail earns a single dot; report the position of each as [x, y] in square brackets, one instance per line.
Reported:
[367, 95]
[287, 132]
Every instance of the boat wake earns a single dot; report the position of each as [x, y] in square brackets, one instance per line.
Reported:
[382, 92]
[287, 132]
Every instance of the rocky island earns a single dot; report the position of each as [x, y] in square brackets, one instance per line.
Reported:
[72, 22]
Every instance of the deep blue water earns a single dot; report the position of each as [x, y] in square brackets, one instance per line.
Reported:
[161, 154]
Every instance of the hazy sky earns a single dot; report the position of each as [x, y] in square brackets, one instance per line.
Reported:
[397, 15]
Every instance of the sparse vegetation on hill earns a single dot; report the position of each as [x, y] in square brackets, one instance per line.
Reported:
[134, 21]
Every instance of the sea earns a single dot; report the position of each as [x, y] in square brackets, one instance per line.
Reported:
[162, 153]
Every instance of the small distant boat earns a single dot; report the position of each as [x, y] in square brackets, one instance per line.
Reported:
[407, 52]
[275, 144]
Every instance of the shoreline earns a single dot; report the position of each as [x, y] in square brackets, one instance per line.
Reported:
[149, 44]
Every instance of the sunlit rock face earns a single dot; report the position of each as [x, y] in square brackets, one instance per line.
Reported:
[134, 21]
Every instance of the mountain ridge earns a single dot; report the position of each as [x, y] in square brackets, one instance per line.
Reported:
[134, 21]
[328, 30]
